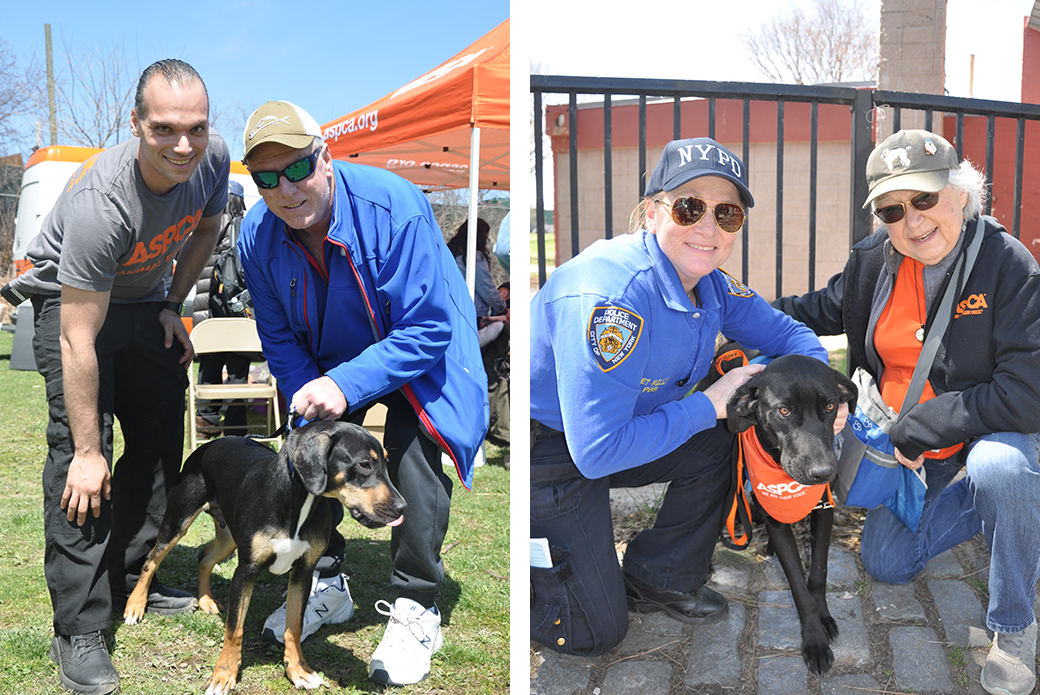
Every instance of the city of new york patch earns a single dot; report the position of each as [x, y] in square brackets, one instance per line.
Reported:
[735, 287]
[613, 334]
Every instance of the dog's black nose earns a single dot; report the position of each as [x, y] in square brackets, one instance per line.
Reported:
[821, 474]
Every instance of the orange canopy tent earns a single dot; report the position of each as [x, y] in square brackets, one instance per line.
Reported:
[433, 130]
[446, 129]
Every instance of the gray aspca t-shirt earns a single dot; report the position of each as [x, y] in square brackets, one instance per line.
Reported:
[108, 232]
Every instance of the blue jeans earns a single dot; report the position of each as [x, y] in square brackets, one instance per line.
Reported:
[999, 497]
[578, 606]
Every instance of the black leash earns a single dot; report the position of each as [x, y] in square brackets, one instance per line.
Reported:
[285, 428]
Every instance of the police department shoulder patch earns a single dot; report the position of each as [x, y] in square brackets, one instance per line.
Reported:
[735, 287]
[613, 333]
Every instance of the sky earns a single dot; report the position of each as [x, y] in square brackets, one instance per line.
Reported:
[700, 40]
[329, 58]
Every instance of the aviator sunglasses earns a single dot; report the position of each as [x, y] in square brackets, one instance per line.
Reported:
[890, 214]
[294, 173]
[687, 210]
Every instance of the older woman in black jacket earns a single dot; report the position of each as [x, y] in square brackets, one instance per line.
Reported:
[981, 404]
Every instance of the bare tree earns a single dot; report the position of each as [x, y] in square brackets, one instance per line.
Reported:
[230, 121]
[451, 209]
[94, 96]
[539, 68]
[17, 84]
[21, 88]
[835, 43]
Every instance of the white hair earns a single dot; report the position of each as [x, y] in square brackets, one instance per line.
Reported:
[972, 181]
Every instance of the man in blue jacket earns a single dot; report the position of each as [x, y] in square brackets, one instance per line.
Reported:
[358, 301]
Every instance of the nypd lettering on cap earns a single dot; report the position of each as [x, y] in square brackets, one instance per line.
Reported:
[709, 155]
[685, 160]
[613, 333]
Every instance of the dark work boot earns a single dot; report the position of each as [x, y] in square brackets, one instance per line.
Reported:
[84, 665]
[700, 607]
[162, 600]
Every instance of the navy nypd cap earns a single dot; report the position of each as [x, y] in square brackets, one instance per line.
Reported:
[686, 160]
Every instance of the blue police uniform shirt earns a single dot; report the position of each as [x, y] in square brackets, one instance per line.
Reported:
[616, 344]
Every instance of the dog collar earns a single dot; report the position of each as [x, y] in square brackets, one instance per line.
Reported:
[290, 423]
[781, 496]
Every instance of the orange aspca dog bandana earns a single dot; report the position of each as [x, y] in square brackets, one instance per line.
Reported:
[781, 496]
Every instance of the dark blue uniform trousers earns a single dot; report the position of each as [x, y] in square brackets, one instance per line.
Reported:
[579, 606]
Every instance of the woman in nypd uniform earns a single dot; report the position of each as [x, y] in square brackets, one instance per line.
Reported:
[619, 335]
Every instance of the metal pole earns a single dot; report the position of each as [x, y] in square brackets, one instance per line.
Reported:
[471, 240]
[50, 85]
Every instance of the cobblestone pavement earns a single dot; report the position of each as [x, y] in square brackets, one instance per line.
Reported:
[928, 636]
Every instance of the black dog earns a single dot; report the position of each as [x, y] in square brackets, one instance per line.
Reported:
[793, 404]
[267, 505]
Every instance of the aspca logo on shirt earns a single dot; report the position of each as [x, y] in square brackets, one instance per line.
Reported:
[613, 333]
[162, 247]
[975, 304]
[735, 287]
[81, 172]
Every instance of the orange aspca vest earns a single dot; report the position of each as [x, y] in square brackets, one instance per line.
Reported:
[781, 496]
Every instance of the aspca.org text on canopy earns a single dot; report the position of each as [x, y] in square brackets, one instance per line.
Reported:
[354, 124]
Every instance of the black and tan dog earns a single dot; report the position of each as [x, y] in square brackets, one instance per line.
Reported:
[792, 405]
[267, 504]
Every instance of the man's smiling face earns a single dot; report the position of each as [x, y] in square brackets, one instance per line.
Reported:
[173, 132]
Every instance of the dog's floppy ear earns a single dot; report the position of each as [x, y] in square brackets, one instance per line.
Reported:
[741, 411]
[847, 390]
[309, 452]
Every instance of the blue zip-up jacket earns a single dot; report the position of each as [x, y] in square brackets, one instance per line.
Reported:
[419, 331]
[616, 343]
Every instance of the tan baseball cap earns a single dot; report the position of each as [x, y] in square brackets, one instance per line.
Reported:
[282, 122]
[910, 160]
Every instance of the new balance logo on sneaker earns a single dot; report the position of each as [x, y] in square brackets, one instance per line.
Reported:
[329, 602]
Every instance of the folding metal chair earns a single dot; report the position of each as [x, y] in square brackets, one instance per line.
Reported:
[229, 335]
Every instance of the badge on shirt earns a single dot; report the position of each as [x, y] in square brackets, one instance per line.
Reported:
[613, 334]
[735, 287]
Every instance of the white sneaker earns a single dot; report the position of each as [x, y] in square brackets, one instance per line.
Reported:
[411, 638]
[329, 602]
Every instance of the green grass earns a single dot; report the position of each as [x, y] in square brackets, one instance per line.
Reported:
[176, 655]
[839, 359]
[550, 253]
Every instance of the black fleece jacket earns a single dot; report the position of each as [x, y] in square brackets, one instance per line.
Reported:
[986, 376]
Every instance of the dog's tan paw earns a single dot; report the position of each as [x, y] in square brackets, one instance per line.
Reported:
[304, 678]
[208, 605]
[220, 685]
[133, 614]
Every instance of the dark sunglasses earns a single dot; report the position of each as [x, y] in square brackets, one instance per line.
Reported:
[687, 210]
[890, 214]
[294, 173]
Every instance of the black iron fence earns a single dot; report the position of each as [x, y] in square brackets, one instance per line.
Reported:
[864, 105]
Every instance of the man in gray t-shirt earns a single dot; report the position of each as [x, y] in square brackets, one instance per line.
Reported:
[110, 344]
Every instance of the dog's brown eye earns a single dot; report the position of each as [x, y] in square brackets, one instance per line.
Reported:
[785, 411]
[830, 407]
